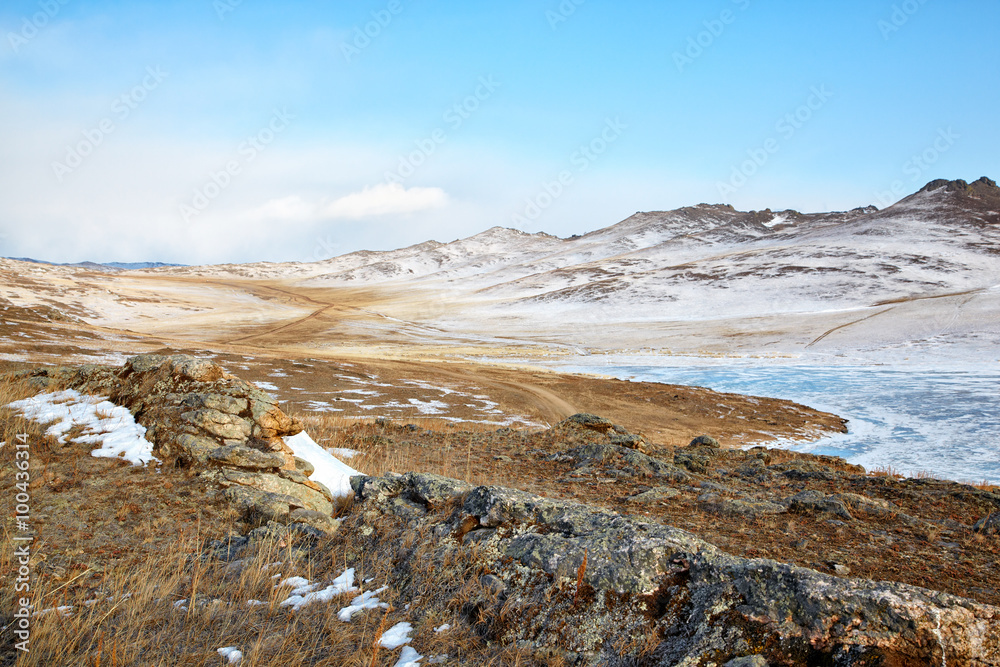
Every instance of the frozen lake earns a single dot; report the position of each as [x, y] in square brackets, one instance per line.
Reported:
[942, 422]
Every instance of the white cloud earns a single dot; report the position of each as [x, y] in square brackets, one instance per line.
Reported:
[384, 199]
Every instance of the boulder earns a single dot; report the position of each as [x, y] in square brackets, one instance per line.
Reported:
[322, 522]
[808, 502]
[195, 369]
[219, 424]
[988, 525]
[705, 441]
[304, 466]
[701, 604]
[259, 506]
[588, 421]
[246, 457]
[659, 494]
[308, 498]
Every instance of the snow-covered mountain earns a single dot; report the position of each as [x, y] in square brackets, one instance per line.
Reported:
[922, 274]
[705, 260]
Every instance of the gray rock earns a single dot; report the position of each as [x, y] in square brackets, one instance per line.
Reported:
[587, 420]
[434, 490]
[808, 502]
[705, 441]
[988, 525]
[246, 457]
[144, 363]
[656, 495]
[739, 507]
[221, 402]
[191, 447]
[707, 605]
[322, 522]
[748, 661]
[308, 498]
[304, 467]
[630, 441]
[191, 368]
[260, 506]
[219, 424]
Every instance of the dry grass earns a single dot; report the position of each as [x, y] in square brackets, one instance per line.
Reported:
[117, 548]
[384, 445]
[885, 471]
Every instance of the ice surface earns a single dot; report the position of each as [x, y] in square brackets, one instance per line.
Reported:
[940, 421]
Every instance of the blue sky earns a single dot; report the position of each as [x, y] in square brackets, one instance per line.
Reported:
[227, 131]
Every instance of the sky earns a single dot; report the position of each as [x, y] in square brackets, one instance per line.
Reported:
[211, 131]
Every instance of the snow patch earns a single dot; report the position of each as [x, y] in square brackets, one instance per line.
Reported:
[330, 471]
[396, 636]
[106, 424]
[232, 654]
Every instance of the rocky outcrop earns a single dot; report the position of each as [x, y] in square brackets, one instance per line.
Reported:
[988, 525]
[591, 581]
[196, 414]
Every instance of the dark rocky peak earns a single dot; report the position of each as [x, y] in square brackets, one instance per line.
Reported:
[979, 201]
[984, 187]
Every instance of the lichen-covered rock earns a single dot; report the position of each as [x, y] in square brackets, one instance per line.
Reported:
[625, 459]
[322, 522]
[187, 404]
[988, 525]
[705, 441]
[185, 445]
[270, 421]
[260, 506]
[738, 506]
[641, 579]
[310, 498]
[232, 405]
[815, 501]
[659, 494]
[588, 421]
[630, 441]
[246, 457]
[219, 424]
[304, 466]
